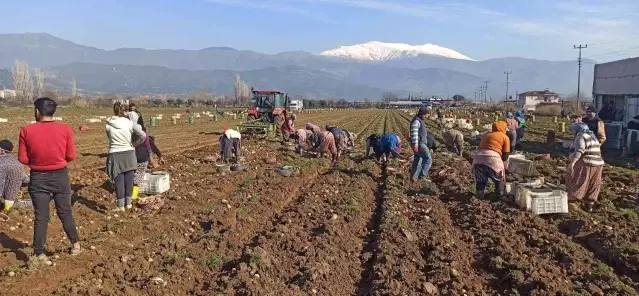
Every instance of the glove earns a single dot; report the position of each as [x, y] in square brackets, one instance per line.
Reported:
[8, 204]
[415, 149]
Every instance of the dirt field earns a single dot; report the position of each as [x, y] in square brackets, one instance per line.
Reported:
[354, 230]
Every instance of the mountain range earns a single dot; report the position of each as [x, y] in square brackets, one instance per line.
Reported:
[353, 72]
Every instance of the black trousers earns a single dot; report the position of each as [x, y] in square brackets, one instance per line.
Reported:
[44, 186]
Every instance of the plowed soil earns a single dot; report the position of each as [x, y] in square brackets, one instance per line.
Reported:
[359, 229]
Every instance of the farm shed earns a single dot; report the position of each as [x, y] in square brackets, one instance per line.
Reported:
[618, 82]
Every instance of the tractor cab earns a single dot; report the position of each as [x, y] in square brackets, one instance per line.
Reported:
[267, 104]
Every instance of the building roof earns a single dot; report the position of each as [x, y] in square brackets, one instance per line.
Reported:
[539, 93]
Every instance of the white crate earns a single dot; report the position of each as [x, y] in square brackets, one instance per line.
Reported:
[540, 198]
[155, 183]
[521, 166]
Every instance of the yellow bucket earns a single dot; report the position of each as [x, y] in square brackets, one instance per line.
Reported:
[136, 190]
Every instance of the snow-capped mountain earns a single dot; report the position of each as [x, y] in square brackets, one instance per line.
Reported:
[380, 51]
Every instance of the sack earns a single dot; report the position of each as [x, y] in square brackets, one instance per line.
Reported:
[154, 162]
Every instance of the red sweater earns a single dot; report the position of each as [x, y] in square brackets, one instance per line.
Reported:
[46, 146]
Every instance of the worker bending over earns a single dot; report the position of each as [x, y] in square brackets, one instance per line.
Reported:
[488, 163]
[12, 175]
[230, 145]
[454, 140]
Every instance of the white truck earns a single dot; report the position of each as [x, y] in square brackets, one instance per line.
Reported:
[297, 105]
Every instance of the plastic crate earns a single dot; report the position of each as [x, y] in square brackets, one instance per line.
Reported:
[540, 198]
[155, 183]
[521, 166]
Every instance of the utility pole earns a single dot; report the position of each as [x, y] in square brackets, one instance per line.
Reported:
[507, 82]
[580, 47]
[485, 90]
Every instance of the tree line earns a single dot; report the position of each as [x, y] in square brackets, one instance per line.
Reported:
[30, 84]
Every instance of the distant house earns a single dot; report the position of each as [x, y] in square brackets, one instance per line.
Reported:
[7, 93]
[530, 99]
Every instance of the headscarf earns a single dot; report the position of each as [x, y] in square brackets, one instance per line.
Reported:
[500, 126]
[580, 127]
[520, 118]
[509, 115]
[422, 112]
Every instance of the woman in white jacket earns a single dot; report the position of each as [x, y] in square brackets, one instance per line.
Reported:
[121, 162]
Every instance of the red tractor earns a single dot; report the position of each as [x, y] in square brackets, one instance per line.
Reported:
[267, 105]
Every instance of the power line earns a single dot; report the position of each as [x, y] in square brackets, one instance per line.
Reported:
[485, 90]
[507, 82]
[580, 47]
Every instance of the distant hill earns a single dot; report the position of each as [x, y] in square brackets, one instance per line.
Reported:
[299, 72]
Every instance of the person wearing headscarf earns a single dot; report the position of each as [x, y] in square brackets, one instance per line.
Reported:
[302, 138]
[488, 163]
[12, 175]
[521, 127]
[341, 139]
[350, 140]
[325, 143]
[512, 125]
[390, 145]
[372, 142]
[230, 144]
[287, 127]
[595, 124]
[585, 166]
[454, 140]
[422, 159]
[314, 128]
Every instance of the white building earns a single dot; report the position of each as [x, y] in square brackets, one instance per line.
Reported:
[8, 93]
[297, 105]
[530, 99]
[618, 82]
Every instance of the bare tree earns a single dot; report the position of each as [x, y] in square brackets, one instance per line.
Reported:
[22, 81]
[241, 91]
[39, 81]
[74, 88]
[389, 96]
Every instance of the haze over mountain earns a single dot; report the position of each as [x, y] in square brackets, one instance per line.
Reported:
[352, 72]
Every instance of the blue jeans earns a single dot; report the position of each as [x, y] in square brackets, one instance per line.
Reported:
[421, 163]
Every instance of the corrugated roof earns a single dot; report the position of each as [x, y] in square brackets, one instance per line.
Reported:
[540, 93]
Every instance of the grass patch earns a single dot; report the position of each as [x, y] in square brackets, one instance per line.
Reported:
[630, 214]
[254, 198]
[209, 210]
[211, 262]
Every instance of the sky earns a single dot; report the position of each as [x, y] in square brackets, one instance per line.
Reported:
[481, 29]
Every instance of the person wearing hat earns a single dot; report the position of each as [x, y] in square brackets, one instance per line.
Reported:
[12, 175]
[422, 159]
[595, 124]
